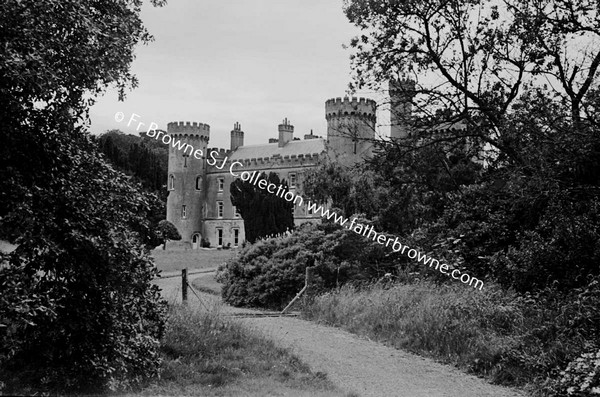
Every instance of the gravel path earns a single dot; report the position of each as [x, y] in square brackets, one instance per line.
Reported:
[357, 365]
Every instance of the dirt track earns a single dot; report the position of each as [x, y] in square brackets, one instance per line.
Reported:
[356, 365]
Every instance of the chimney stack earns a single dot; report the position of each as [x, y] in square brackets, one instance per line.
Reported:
[237, 136]
[286, 132]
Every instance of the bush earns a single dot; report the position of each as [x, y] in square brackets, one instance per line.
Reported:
[78, 312]
[581, 377]
[270, 272]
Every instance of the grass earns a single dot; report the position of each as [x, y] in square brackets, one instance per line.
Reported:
[205, 353]
[207, 283]
[509, 339]
[175, 260]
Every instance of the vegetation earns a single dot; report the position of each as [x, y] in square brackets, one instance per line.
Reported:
[144, 158]
[270, 272]
[264, 213]
[500, 177]
[77, 312]
[167, 231]
[205, 353]
[511, 338]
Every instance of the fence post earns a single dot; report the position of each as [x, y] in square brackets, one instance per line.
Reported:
[184, 284]
[310, 271]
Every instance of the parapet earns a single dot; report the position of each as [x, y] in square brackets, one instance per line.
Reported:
[181, 127]
[350, 107]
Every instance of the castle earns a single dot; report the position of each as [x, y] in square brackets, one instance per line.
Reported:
[199, 203]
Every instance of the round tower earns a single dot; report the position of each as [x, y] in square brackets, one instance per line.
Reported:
[186, 179]
[350, 127]
[402, 93]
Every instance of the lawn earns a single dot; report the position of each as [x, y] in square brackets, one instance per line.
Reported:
[175, 260]
[207, 283]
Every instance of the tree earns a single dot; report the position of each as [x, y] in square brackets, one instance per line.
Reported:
[471, 60]
[167, 231]
[78, 312]
[264, 213]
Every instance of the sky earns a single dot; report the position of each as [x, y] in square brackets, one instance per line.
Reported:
[250, 61]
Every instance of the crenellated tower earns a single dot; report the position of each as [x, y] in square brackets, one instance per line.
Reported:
[402, 93]
[350, 128]
[187, 178]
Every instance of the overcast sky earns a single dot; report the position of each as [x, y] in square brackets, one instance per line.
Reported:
[249, 61]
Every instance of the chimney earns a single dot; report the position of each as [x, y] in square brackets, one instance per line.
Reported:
[286, 132]
[237, 136]
[310, 136]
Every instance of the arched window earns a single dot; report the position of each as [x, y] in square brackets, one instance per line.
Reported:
[171, 183]
[198, 183]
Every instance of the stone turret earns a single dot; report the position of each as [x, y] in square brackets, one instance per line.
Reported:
[402, 93]
[186, 177]
[350, 128]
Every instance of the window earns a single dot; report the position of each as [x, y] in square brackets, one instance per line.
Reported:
[219, 237]
[236, 212]
[221, 183]
[185, 157]
[183, 212]
[171, 183]
[219, 209]
[236, 237]
[198, 183]
[293, 180]
[309, 211]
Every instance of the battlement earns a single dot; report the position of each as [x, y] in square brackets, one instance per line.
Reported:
[346, 107]
[181, 127]
[222, 152]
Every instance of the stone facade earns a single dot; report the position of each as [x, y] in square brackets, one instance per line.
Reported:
[199, 203]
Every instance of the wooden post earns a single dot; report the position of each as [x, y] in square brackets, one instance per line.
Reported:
[310, 272]
[307, 283]
[184, 284]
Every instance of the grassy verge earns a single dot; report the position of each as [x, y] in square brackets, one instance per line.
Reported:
[174, 260]
[207, 283]
[207, 354]
[510, 339]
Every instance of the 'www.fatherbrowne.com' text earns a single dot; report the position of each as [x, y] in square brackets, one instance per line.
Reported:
[314, 208]
[358, 228]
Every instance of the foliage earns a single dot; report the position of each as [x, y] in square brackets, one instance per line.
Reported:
[270, 272]
[168, 231]
[91, 319]
[142, 157]
[264, 213]
[582, 376]
[512, 339]
[78, 312]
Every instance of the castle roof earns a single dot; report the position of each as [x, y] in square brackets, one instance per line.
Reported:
[291, 148]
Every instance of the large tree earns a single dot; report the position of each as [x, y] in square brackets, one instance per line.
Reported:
[471, 60]
[78, 310]
[264, 213]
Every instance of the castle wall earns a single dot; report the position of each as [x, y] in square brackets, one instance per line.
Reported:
[199, 199]
[283, 166]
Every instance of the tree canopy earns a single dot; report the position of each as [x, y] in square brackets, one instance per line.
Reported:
[264, 213]
[78, 311]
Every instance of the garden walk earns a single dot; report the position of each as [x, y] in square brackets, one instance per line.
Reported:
[354, 364]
